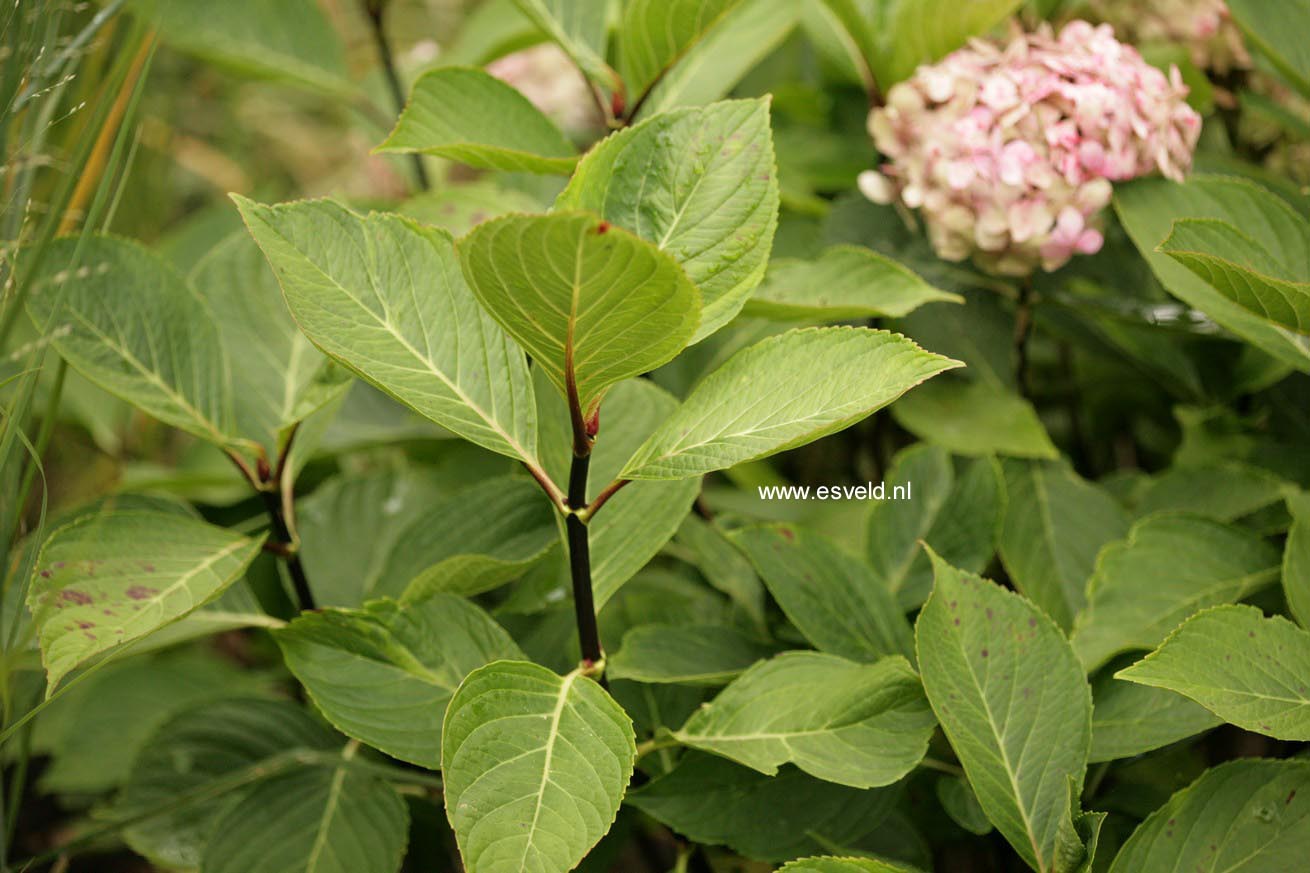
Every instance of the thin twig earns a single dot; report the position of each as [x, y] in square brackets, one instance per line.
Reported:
[375, 11]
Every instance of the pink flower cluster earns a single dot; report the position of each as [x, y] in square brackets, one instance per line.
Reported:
[1204, 27]
[1009, 153]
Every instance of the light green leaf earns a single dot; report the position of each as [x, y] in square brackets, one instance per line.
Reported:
[460, 208]
[975, 418]
[833, 598]
[127, 321]
[591, 303]
[472, 117]
[385, 296]
[1148, 209]
[1280, 32]
[862, 725]
[534, 767]
[580, 28]
[723, 566]
[713, 65]
[711, 800]
[473, 541]
[843, 284]
[841, 865]
[1129, 720]
[106, 580]
[1249, 670]
[918, 32]
[1055, 524]
[1005, 683]
[783, 392]
[289, 41]
[1169, 567]
[958, 800]
[1248, 815]
[278, 377]
[956, 517]
[384, 673]
[1271, 284]
[1296, 558]
[701, 184]
[1224, 491]
[312, 820]
[698, 654]
[195, 747]
[654, 34]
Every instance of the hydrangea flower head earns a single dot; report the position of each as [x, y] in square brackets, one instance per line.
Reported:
[1204, 27]
[1009, 152]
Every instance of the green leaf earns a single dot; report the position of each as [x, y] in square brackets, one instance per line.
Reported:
[975, 418]
[711, 800]
[918, 32]
[654, 34]
[699, 654]
[1169, 567]
[833, 598]
[844, 283]
[385, 296]
[1270, 283]
[106, 580]
[127, 321]
[1243, 815]
[196, 747]
[1003, 680]
[640, 519]
[701, 184]
[580, 28]
[781, 393]
[460, 208]
[384, 673]
[1279, 31]
[1249, 670]
[470, 116]
[840, 865]
[1055, 524]
[1223, 491]
[1129, 720]
[473, 541]
[956, 517]
[958, 800]
[289, 41]
[862, 725]
[534, 767]
[591, 303]
[726, 51]
[1148, 209]
[723, 566]
[278, 378]
[1296, 559]
[312, 820]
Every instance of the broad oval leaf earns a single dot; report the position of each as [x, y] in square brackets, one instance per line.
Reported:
[1249, 670]
[1055, 524]
[654, 34]
[579, 27]
[975, 417]
[384, 673]
[470, 116]
[1247, 815]
[698, 654]
[724, 567]
[460, 208]
[833, 598]
[313, 820]
[1148, 209]
[200, 745]
[1129, 720]
[106, 580]
[278, 378]
[828, 864]
[843, 284]
[783, 392]
[127, 321]
[700, 184]
[534, 767]
[590, 302]
[1272, 284]
[769, 818]
[1169, 567]
[385, 296]
[862, 725]
[1012, 699]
